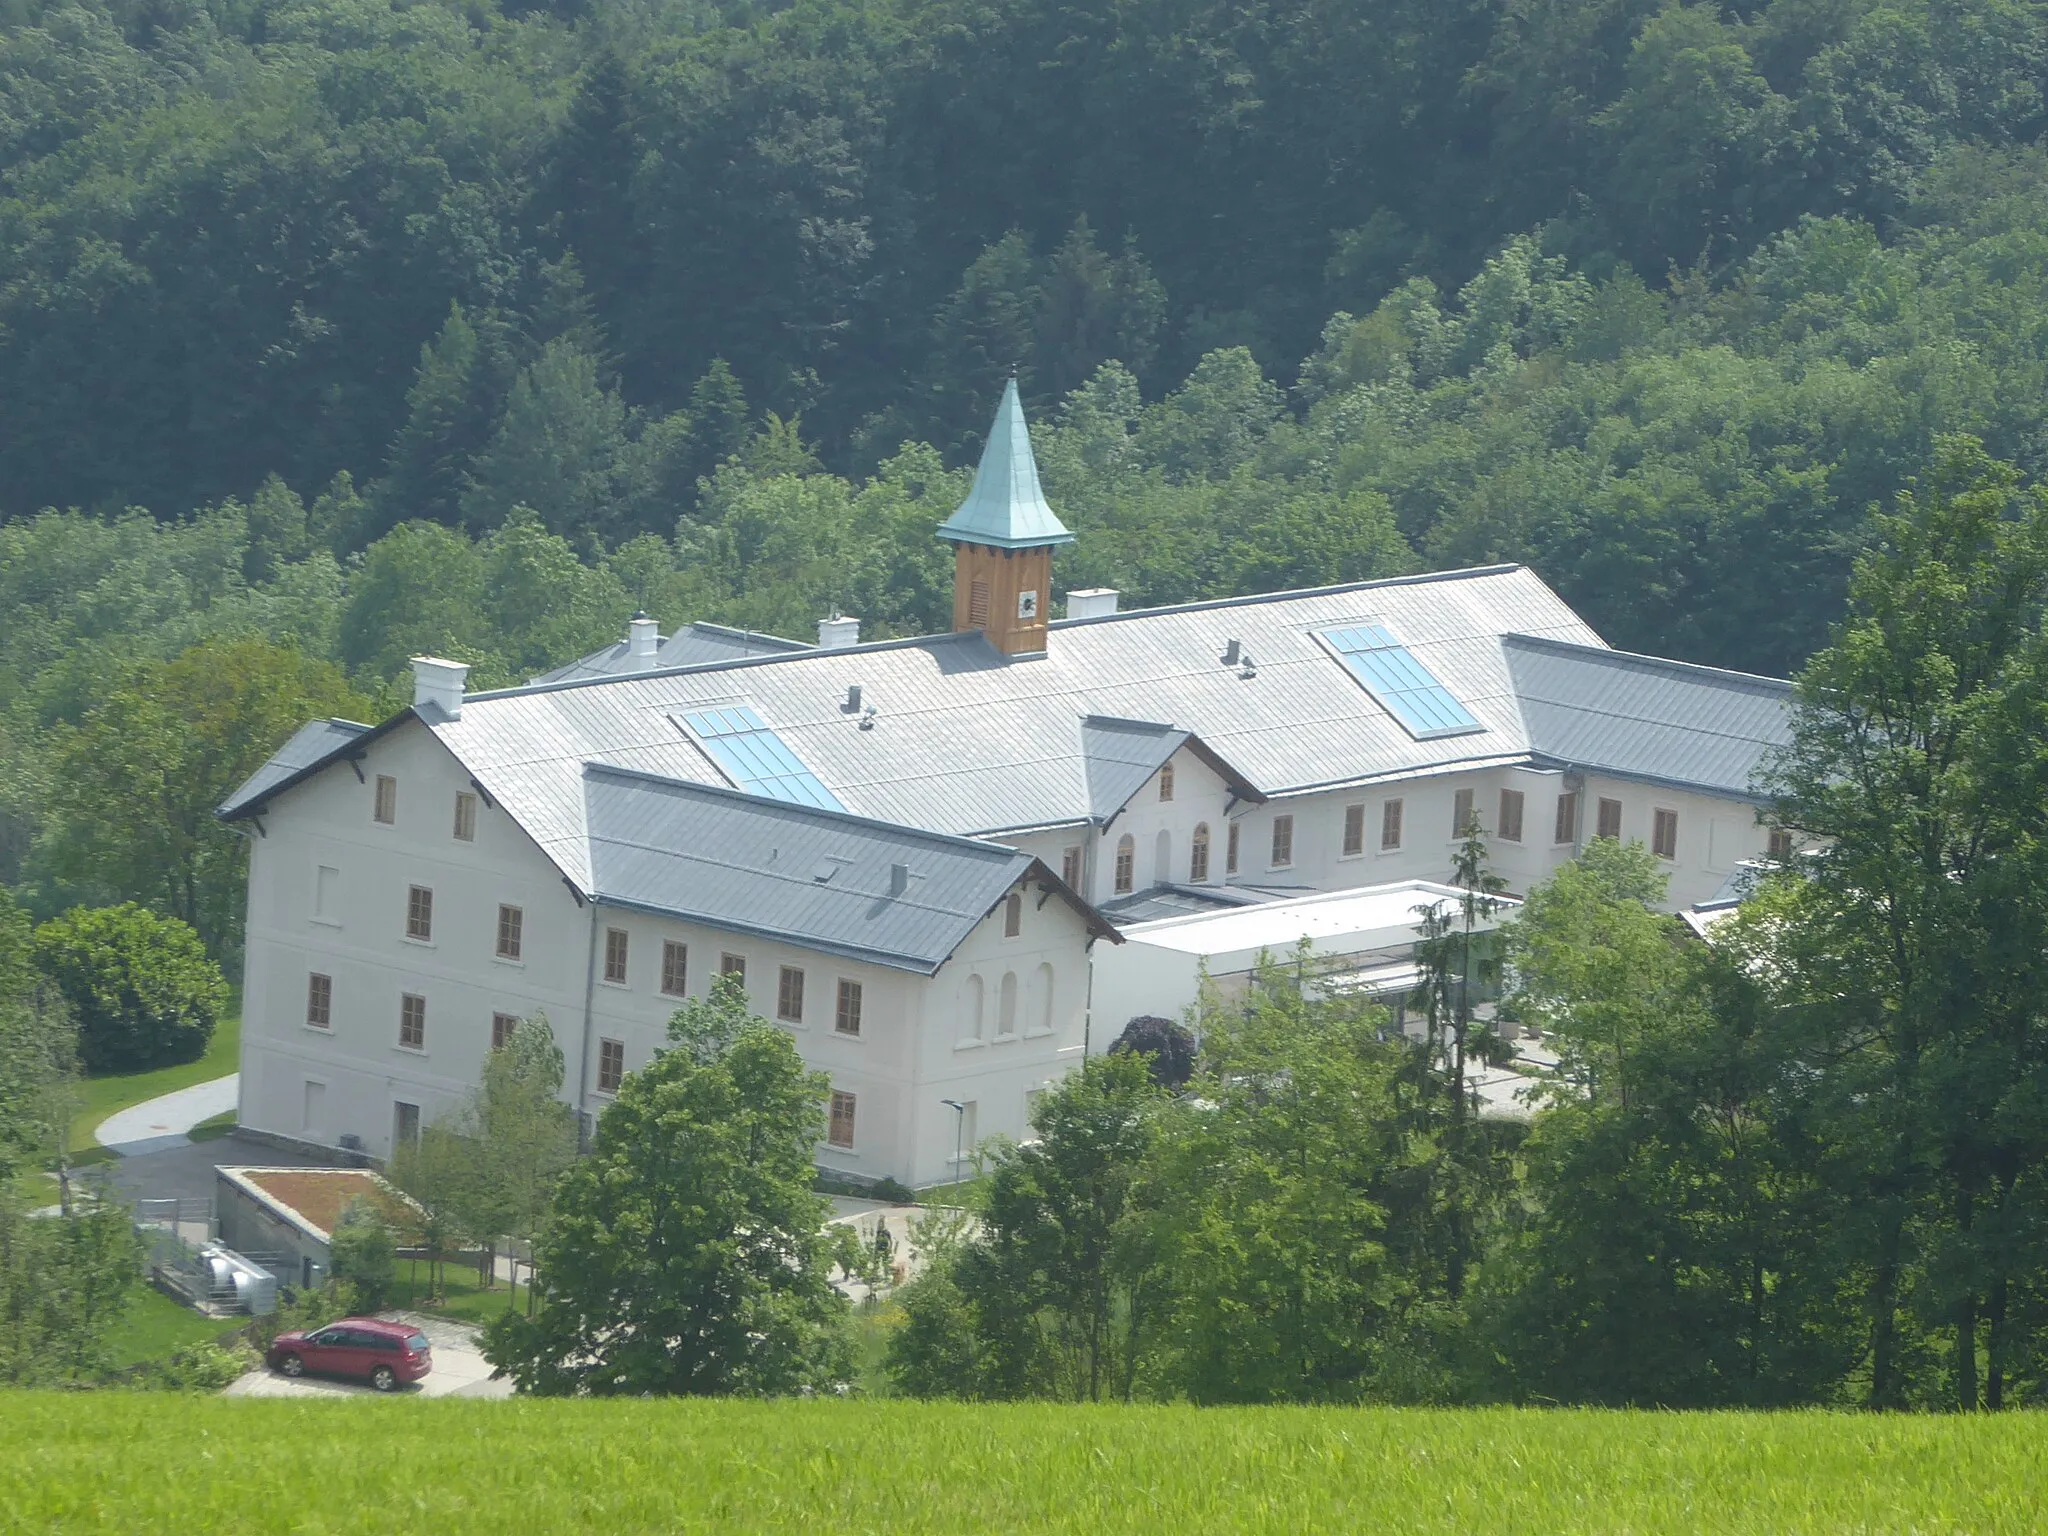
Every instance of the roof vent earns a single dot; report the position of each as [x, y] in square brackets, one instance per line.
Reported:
[825, 870]
[1247, 670]
[1231, 651]
[836, 633]
[867, 718]
[899, 879]
[439, 683]
[643, 639]
[852, 704]
[1091, 602]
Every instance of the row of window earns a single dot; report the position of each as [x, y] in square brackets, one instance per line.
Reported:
[384, 808]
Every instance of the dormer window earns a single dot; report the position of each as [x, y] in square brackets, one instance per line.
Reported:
[1165, 782]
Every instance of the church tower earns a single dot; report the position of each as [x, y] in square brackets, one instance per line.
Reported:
[1003, 536]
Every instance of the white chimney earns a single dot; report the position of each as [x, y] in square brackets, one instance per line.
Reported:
[439, 683]
[1091, 602]
[643, 639]
[836, 633]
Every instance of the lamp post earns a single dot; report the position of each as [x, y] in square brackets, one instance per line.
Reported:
[959, 1131]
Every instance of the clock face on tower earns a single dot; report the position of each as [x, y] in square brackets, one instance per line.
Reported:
[1027, 605]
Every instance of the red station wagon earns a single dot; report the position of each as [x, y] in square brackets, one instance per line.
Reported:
[384, 1354]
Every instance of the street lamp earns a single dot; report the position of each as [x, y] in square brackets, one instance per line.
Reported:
[959, 1132]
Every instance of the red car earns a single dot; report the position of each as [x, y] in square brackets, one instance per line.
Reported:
[384, 1354]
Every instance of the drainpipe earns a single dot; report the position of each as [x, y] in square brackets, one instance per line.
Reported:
[583, 1056]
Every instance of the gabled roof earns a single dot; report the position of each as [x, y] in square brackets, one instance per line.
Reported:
[1006, 507]
[1119, 756]
[311, 745]
[820, 879]
[694, 645]
[1641, 717]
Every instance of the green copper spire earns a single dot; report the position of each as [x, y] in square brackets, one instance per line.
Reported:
[1006, 509]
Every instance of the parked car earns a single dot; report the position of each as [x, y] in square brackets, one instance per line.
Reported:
[383, 1354]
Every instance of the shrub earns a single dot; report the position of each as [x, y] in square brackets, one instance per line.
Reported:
[1171, 1048]
[364, 1255]
[195, 1368]
[141, 985]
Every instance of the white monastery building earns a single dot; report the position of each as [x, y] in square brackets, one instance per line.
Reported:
[912, 849]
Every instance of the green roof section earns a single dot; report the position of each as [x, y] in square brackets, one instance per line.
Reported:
[1006, 509]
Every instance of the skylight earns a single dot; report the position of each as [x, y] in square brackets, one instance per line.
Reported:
[749, 753]
[1405, 688]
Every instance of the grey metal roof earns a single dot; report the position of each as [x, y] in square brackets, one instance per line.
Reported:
[1178, 901]
[1642, 717]
[1006, 507]
[1118, 756]
[695, 644]
[310, 744]
[818, 878]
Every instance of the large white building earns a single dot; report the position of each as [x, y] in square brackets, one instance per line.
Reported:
[910, 847]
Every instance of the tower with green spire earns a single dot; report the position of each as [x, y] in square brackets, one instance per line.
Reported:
[1003, 537]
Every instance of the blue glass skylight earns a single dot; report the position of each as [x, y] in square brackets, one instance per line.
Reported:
[749, 753]
[1406, 689]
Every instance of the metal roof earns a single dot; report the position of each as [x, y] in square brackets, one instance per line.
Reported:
[312, 743]
[1641, 717]
[891, 895]
[1119, 756]
[1006, 507]
[694, 645]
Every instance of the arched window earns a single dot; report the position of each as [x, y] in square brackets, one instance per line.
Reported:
[1006, 1020]
[1165, 781]
[975, 1003]
[1126, 864]
[1162, 857]
[1045, 999]
[1198, 855]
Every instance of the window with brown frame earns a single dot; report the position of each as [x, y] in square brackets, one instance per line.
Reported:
[502, 1025]
[1126, 864]
[1664, 834]
[789, 995]
[465, 816]
[1567, 830]
[840, 1133]
[1609, 823]
[1509, 828]
[847, 1020]
[1070, 866]
[1230, 842]
[320, 1001]
[412, 1022]
[1198, 854]
[615, 956]
[511, 932]
[1354, 830]
[733, 965]
[1390, 825]
[1013, 914]
[385, 811]
[611, 1065]
[675, 968]
[1781, 844]
[1464, 812]
[1165, 781]
[1283, 841]
[419, 914]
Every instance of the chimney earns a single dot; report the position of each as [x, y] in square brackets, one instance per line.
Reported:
[1231, 651]
[852, 704]
[643, 640]
[439, 683]
[836, 633]
[1091, 602]
[899, 879]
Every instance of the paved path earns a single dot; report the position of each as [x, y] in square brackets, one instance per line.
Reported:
[460, 1369]
[156, 1125]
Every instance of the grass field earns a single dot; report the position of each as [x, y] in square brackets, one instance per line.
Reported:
[155, 1326]
[101, 1096]
[119, 1462]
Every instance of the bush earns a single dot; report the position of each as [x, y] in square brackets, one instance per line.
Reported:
[364, 1256]
[1171, 1048]
[143, 990]
[312, 1308]
[196, 1368]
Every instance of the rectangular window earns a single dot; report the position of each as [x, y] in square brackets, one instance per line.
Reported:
[320, 1001]
[1510, 828]
[847, 1020]
[419, 914]
[789, 996]
[326, 894]
[465, 816]
[502, 1025]
[412, 1022]
[1166, 781]
[1664, 835]
[1610, 820]
[511, 932]
[1126, 863]
[1198, 856]
[1354, 829]
[1070, 867]
[1230, 849]
[1013, 915]
[1390, 825]
[1567, 819]
[733, 965]
[611, 1065]
[405, 1124]
[1283, 841]
[387, 800]
[675, 968]
[615, 956]
[1464, 812]
[1781, 844]
[841, 1132]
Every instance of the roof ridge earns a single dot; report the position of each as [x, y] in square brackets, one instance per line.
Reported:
[1608, 653]
[1417, 578]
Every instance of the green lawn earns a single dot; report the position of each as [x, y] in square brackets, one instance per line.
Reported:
[155, 1325]
[463, 1295]
[101, 1096]
[122, 1462]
